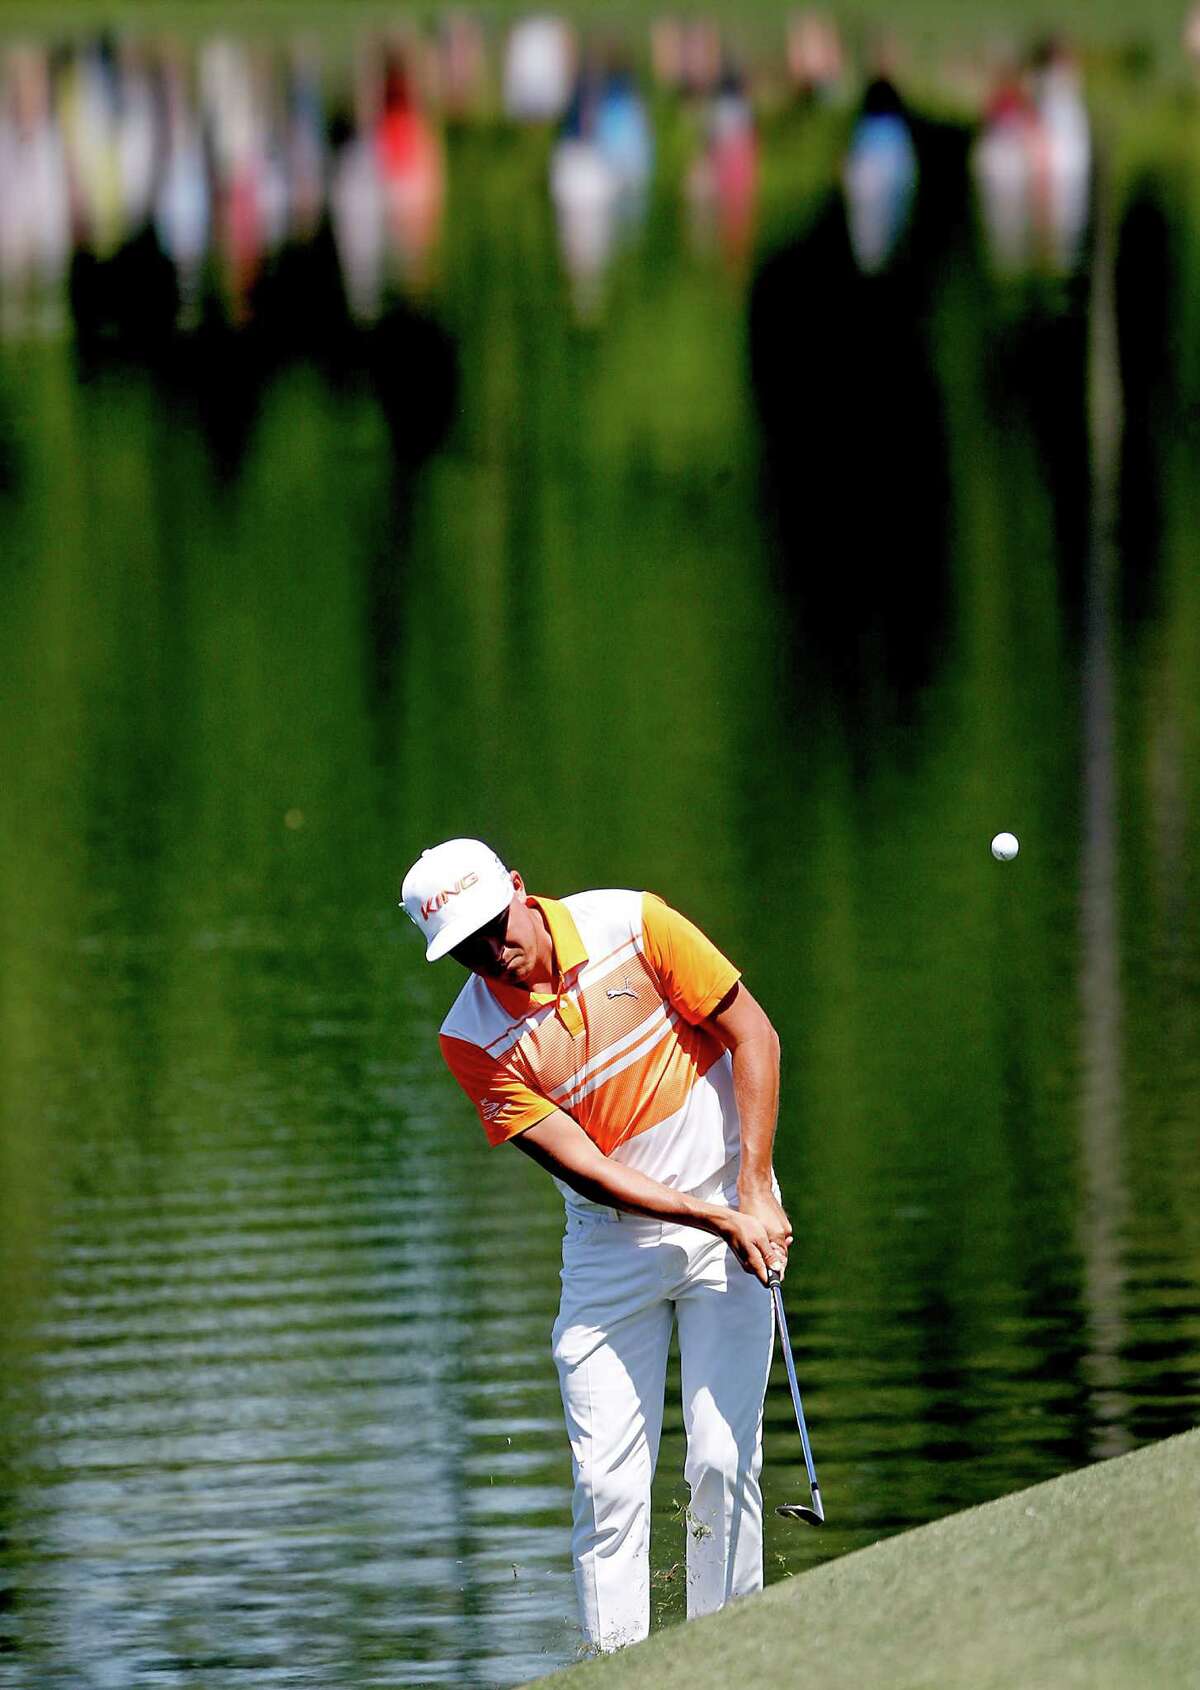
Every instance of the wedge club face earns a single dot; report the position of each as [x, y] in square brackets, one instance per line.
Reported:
[797, 1511]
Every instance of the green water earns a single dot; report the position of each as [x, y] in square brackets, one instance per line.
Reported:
[276, 1400]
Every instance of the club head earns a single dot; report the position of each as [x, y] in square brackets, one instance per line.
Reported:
[797, 1511]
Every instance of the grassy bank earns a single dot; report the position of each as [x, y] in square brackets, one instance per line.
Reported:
[1089, 1580]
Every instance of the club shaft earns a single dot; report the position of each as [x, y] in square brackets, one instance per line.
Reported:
[786, 1343]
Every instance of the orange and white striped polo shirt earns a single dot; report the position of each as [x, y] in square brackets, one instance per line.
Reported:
[620, 1047]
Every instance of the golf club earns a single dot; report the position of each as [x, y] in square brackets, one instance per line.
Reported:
[814, 1516]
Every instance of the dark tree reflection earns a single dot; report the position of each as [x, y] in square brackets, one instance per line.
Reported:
[855, 435]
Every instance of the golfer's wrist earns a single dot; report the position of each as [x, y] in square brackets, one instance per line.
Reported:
[694, 1211]
[716, 1218]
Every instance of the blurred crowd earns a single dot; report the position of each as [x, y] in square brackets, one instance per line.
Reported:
[220, 158]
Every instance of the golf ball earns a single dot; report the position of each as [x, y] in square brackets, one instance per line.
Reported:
[1005, 847]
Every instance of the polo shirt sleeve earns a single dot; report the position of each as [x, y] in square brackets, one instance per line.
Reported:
[693, 973]
[505, 1103]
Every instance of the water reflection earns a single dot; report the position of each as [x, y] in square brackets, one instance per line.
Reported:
[600, 173]
[723, 183]
[1104, 1214]
[166, 183]
[879, 177]
[274, 1372]
[1033, 165]
[1153, 379]
[846, 375]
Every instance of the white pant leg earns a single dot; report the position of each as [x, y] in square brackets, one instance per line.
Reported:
[726, 1332]
[610, 1346]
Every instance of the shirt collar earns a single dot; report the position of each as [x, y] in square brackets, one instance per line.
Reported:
[569, 953]
[569, 950]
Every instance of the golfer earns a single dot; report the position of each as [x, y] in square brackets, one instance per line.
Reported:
[609, 1039]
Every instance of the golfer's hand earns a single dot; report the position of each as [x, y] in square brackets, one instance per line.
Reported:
[766, 1208]
[750, 1242]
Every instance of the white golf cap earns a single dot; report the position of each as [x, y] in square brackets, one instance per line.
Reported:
[453, 889]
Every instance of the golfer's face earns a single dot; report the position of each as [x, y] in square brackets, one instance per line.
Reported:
[502, 949]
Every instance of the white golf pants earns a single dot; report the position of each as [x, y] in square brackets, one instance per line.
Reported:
[624, 1281]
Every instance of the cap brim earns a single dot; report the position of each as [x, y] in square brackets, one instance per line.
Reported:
[456, 931]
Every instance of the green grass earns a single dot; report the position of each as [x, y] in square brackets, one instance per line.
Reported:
[918, 26]
[1088, 1581]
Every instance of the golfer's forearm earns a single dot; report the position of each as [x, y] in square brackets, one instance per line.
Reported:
[756, 1088]
[638, 1194]
[745, 1030]
[560, 1146]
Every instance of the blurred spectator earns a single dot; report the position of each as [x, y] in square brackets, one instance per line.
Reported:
[1191, 35]
[879, 177]
[409, 158]
[88, 113]
[357, 216]
[723, 179]
[138, 136]
[622, 130]
[538, 67]
[686, 55]
[814, 56]
[462, 67]
[387, 189]
[1003, 162]
[305, 160]
[599, 174]
[182, 222]
[666, 53]
[1032, 165]
[35, 226]
[250, 184]
[1065, 176]
[584, 190]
